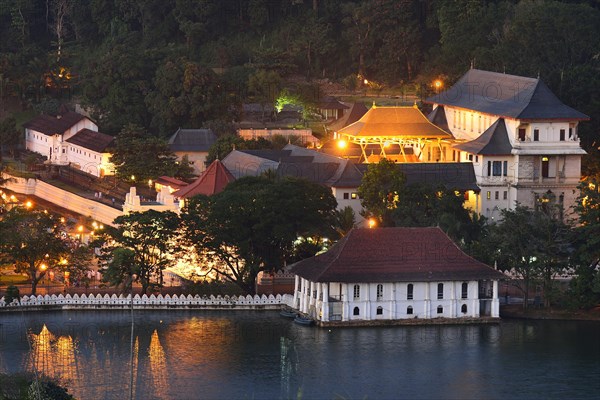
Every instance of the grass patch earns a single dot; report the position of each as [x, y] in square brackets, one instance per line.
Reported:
[7, 280]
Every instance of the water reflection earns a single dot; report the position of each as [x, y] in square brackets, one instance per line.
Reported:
[187, 355]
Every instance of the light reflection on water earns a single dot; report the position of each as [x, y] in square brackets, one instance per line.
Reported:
[181, 355]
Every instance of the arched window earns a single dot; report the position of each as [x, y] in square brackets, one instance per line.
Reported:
[356, 311]
[409, 310]
[440, 291]
[463, 309]
[379, 291]
[464, 290]
[379, 310]
[409, 291]
[440, 310]
[356, 292]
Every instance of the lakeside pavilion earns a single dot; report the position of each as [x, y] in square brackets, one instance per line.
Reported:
[402, 134]
[395, 274]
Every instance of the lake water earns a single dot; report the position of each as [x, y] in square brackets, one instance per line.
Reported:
[259, 355]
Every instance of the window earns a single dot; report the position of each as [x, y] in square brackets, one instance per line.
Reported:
[562, 135]
[505, 195]
[489, 168]
[379, 291]
[64, 151]
[497, 168]
[476, 159]
[505, 168]
[496, 195]
[409, 310]
[470, 157]
[379, 310]
[454, 120]
[314, 294]
[356, 311]
[440, 291]
[354, 196]
[464, 290]
[479, 130]
[489, 195]
[570, 133]
[346, 196]
[536, 135]
[453, 155]
[440, 310]
[299, 285]
[356, 291]
[545, 167]
[409, 291]
[463, 309]
[522, 134]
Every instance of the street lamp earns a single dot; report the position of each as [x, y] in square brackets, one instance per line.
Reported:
[43, 268]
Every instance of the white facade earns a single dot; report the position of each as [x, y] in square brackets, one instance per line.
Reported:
[333, 301]
[546, 157]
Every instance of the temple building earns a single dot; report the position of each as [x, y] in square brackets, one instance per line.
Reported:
[391, 274]
[521, 139]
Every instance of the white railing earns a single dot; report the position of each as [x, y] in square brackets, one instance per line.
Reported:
[145, 301]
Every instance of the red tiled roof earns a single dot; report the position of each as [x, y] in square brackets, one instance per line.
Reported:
[169, 181]
[212, 181]
[92, 140]
[50, 125]
[394, 255]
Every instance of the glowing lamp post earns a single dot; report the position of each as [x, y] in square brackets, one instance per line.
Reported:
[372, 223]
[43, 268]
[438, 85]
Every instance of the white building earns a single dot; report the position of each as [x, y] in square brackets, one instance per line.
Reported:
[70, 139]
[521, 139]
[394, 274]
[193, 144]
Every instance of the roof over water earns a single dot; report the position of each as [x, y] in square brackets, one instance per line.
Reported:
[505, 95]
[394, 255]
[407, 122]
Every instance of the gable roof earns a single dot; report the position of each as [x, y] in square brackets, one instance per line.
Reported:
[394, 255]
[506, 95]
[192, 140]
[493, 141]
[407, 122]
[213, 180]
[331, 103]
[52, 125]
[451, 175]
[92, 140]
[170, 181]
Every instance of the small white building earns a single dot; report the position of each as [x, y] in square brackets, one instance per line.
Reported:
[72, 139]
[394, 274]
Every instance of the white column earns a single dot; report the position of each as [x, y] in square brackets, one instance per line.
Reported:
[427, 301]
[368, 302]
[393, 302]
[453, 299]
[317, 301]
[296, 280]
[495, 301]
[325, 301]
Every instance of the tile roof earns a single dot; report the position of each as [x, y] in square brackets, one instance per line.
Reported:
[452, 176]
[394, 255]
[357, 110]
[192, 140]
[213, 180]
[408, 122]
[330, 103]
[170, 181]
[50, 125]
[438, 117]
[506, 95]
[494, 141]
[92, 140]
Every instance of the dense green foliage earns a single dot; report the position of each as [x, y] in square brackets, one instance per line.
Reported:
[31, 387]
[253, 226]
[163, 64]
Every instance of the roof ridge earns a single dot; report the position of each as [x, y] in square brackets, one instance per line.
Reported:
[342, 246]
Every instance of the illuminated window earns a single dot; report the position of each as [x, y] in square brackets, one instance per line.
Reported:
[409, 291]
[440, 291]
[489, 195]
[354, 195]
[379, 291]
[356, 292]
[379, 310]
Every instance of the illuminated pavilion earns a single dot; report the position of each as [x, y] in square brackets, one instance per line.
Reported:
[405, 129]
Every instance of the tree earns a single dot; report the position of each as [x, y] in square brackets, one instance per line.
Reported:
[253, 224]
[33, 242]
[532, 244]
[9, 135]
[379, 191]
[142, 156]
[264, 87]
[143, 243]
[225, 144]
[345, 220]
